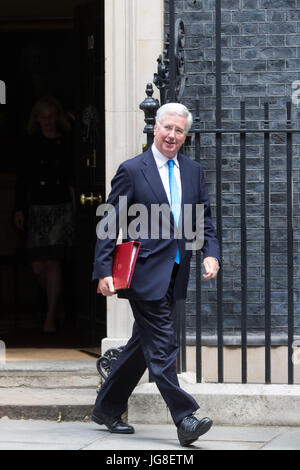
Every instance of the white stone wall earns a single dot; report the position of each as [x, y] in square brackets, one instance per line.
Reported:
[133, 41]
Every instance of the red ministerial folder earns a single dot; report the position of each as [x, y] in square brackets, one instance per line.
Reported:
[125, 256]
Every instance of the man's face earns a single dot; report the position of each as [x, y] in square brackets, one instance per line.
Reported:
[170, 135]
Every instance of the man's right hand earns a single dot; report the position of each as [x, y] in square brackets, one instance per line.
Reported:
[107, 286]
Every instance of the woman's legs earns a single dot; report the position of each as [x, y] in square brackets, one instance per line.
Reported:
[49, 275]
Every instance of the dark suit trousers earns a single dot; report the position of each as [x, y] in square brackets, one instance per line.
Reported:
[153, 344]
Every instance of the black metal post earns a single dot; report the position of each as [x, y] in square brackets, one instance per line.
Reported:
[177, 328]
[150, 107]
[198, 267]
[219, 185]
[290, 242]
[172, 65]
[218, 65]
[183, 336]
[267, 247]
[243, 243]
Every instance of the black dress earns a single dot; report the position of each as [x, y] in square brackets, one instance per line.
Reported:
[43, 195]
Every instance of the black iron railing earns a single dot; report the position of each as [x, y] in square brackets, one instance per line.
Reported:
[243, 131]
[169, 80]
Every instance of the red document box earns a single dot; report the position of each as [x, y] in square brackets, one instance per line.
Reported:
[123, 264]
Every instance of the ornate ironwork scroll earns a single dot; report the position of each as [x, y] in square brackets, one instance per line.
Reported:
[106, 362]
[162, 77]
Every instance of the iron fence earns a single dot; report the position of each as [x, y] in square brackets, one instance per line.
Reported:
[170, 80]
[243, 131]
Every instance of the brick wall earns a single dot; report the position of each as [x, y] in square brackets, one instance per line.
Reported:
[260, 59]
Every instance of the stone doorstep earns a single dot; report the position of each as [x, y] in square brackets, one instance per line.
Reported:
[49, 380]
[48, 366]
[57, 413]
[48, 390]
[227, 404]
[49, 374]
[69, 404]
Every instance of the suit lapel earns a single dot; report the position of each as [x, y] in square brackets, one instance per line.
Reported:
[184, 176]
[152, 176]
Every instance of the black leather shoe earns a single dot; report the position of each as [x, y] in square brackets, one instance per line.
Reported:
[191, 428]
[113, 424]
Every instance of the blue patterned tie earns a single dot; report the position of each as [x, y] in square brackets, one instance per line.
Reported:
[175, 200]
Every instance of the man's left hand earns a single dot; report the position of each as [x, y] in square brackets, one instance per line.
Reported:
[211, 266]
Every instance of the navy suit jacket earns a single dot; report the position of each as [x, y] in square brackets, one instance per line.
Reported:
[139, 180]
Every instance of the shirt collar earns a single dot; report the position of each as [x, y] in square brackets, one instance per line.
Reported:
[160, 159]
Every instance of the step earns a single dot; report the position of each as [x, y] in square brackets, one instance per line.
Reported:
[49, 374]
[67, 390]
[63, 404]
[227, 404]
[49, 390]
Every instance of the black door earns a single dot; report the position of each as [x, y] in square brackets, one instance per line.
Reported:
[90, 165]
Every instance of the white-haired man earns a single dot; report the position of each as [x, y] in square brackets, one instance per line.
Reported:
[161, 175]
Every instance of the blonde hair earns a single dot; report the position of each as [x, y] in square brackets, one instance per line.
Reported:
[44, 103]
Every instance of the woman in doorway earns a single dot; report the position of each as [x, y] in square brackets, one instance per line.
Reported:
[44, 200]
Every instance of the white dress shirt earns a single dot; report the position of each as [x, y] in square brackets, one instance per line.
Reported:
[163, 168]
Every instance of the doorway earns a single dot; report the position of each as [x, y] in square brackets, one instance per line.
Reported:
[43, 57]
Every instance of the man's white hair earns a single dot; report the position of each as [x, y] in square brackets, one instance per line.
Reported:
[174, 108]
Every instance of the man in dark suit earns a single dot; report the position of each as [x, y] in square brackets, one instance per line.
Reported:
[160, 176]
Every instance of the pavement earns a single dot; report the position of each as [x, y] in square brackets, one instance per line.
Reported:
[75, 435]
[46, 405]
